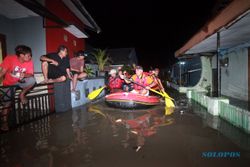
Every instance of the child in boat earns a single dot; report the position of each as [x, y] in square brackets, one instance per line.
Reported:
[114, 82]
[141, 82]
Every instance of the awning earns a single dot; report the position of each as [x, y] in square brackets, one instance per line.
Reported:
[236, 35]
[233, 23]
[80, 11]
[75, 6]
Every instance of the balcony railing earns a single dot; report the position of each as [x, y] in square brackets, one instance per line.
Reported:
[40, 104]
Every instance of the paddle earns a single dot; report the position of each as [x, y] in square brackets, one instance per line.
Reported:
[161, 86]
[168, 100]
[95, 93]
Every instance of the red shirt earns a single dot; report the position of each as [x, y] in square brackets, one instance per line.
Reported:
[14, 67]
[115, 83]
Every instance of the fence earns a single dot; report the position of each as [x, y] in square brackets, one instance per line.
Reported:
[200, 98]
[40, 104]
[236, 116]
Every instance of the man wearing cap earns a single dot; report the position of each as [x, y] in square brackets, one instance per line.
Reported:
[142, 79]
[77, 68]
[115, 82]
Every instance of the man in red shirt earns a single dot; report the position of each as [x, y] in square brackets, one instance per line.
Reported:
[18, 70]
[115, 82]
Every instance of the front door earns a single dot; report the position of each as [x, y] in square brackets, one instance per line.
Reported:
[2, 49]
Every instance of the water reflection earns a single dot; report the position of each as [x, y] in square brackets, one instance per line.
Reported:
[142, 126]
[138, 125]
[95, 135]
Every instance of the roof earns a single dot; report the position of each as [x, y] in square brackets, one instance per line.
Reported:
[122, 56]
[35, 7]
[77, 7]
[233, 23]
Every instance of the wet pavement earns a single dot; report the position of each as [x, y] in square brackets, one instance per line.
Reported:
[97, 135]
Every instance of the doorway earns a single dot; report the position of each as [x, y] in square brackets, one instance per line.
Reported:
[2, 50]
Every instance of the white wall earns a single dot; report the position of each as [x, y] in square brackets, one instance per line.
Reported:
[234, 78]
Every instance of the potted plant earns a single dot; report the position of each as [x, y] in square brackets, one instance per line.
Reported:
[102, 59]
[89, 71]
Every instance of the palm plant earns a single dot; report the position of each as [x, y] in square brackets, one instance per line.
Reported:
[101, 58]
[89, 71]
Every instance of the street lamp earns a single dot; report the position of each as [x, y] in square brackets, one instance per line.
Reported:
[180, 64]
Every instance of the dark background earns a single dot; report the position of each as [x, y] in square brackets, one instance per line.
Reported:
[156, 29]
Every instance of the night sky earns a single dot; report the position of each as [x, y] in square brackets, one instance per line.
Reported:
[155, 29]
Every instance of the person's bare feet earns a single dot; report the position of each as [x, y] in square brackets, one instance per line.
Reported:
[44, 81]
[23, 98]
[50, 81]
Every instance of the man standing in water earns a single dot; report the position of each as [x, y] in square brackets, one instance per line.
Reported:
[17, 70]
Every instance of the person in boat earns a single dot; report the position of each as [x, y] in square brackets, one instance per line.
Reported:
[127, 87]
[77, 68]
[157, 82]
[114, 82]
[140, 78]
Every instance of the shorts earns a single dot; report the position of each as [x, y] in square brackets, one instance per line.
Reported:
[75, 72]
[26, 82]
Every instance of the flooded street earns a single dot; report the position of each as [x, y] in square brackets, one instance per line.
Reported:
[97, 135]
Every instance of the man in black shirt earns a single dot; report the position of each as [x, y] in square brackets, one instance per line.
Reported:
[55, 66]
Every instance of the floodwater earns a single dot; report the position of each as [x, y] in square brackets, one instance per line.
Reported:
[99, 136]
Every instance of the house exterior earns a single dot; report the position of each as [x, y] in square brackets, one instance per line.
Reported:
[187, 71]
[223, 45]
[122, 56]
[44, 25]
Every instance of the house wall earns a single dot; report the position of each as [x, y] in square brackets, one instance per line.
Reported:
[25, 31]
[234, 78]
[248, 74]
[59, 36]
[30, 32]
[7, 29]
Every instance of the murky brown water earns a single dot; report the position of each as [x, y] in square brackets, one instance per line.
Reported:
[96, 136]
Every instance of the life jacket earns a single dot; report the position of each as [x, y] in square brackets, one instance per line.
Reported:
[156, 81]
[140, 80]
[115, 83]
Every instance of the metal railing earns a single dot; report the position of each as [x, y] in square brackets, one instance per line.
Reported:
[40, 104]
